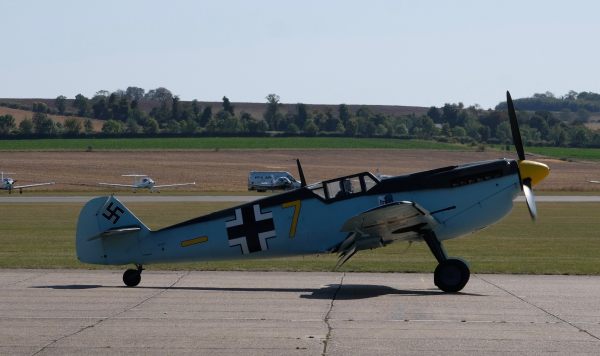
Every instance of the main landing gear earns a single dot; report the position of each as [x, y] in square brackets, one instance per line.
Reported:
[132, 277]
[452, 274]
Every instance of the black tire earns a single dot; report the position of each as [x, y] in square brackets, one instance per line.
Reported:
[132, 277]
[451, 275]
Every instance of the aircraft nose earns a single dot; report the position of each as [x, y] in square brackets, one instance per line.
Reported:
[536, 171]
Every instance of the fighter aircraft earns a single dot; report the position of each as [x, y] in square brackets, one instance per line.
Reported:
[142, 181]
[7, 183]
[342, 215]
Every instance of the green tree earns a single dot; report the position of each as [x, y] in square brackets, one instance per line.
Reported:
[310, 128]
[503, 132]
[302, 115]
[344, 113]
[72, 126]
[173, 126]
[459, 131]
[196, 109]
[206, 116]
[381, 130]
[61, 104]
[579, 136]
[188, 126]
[228, 107]
[134, 93]
[434, 113]
[7, 124]
[42, 124]
[26, 127]
[559, 136]
[100, 108]
[272, 110]
[401, 129]
[81, 103]
[540, 123]
[88, 127]
[161, 94]
[113, 127]
[367, 128]
[40, 107]
[292, 129]
[151, 126]
[363, 112]
[132, 127]
[121, 109]
[423, 127]
[450, 114]
[175, 112]
[446, 131]
[351, 128]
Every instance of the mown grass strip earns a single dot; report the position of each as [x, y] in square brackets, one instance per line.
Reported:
[564, 240]
[567, 153]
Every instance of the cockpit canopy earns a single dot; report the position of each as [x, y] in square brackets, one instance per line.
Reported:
[344, 187]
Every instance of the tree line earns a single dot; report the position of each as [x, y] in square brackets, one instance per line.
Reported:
[135, 112]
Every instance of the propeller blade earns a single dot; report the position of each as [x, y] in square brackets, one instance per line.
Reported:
[301, 173]
[514, 127]
[530, 198]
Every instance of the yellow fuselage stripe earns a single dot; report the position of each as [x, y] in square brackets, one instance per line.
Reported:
[194, 241]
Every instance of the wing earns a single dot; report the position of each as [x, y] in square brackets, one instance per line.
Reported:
[174, 185]
[383, 225]
[118, 185]
[31, 185]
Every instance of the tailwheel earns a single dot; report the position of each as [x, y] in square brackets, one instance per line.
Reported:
[451, 275]
[132, 277]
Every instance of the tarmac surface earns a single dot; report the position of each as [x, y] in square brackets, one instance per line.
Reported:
[61, 312]
[235, 198]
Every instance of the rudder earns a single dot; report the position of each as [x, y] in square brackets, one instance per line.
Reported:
[108, 233]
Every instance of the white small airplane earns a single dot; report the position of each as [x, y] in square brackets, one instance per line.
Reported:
[143, 181]
[7, 183]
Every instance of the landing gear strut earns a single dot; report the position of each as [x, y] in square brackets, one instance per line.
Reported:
[452, 274]
[132, 277]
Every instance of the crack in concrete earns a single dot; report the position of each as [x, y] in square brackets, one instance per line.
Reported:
[327, 316]
[541, 309]
[101, 320]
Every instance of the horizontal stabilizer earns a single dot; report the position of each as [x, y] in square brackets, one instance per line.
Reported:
[116, 232]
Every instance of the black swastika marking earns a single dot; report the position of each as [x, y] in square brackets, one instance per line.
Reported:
[114, 213]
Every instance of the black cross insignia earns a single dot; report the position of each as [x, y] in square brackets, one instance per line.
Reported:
[250, 229]
[114, 213]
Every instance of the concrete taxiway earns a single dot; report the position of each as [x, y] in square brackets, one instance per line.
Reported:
[58, 312]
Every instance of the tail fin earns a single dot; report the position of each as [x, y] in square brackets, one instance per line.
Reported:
[108, 233]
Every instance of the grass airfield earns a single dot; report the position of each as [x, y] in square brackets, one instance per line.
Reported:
[564, 240]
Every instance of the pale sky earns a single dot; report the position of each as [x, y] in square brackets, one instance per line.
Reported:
[419, 53]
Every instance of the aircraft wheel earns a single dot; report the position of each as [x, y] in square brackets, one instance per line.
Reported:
[451, 275]
[132, 277]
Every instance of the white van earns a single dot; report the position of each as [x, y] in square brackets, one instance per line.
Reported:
[262, 181]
